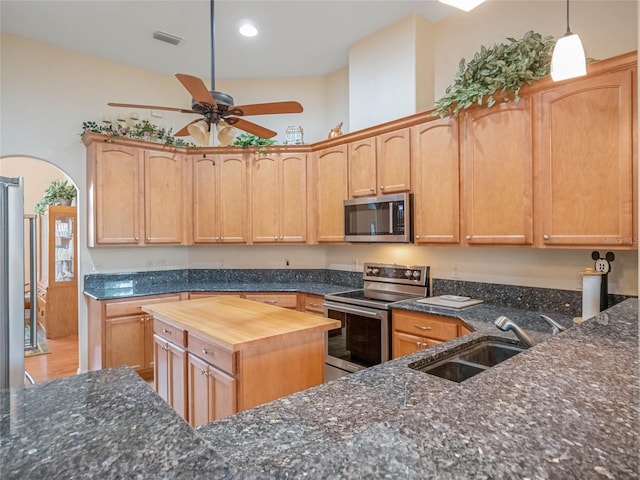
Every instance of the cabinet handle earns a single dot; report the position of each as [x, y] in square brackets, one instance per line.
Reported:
[381, 187]
[417, 237]
[165, 347]
[468, 237]
[164, 330]
[204, 372]
[372, 189]
[142, 319]
[314, 304]
[205, 351]
[545, 237]
[422, 327]
[270, 302]
[137, 239]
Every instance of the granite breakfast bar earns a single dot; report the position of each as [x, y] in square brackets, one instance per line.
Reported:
[565, 408]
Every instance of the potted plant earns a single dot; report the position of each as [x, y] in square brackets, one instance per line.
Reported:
[59, 192]
[245, 140]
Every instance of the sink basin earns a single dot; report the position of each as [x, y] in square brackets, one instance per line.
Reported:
[470, 361]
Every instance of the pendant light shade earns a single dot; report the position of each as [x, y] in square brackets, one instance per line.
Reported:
[199, 131]
[466, 5]
[568, 60]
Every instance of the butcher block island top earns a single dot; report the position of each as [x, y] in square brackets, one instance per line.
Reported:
[235, 323]
[217, 356]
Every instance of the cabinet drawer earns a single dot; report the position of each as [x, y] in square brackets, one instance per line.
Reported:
[120, 308]
[438, 328]
[212, 354]
[314, 303]
[285, 300]
[169, 332]
[194, 295]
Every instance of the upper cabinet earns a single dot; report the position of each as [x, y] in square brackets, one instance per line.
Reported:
[380, 165]
[136, 196]
[436, 182]
[497, 174]
[332, 188]
[219, 198]
[278, 197]
[587, 162]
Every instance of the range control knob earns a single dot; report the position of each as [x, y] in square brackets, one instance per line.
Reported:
[369, 270]
[375, 271]
[416, 274]
[408, 273]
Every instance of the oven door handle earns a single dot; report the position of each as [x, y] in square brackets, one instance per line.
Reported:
[349, 309]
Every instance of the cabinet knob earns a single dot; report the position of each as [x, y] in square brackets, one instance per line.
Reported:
[137, 239]
[203, 372]
[417, 237]
[422, 327]
[142, 319]
[164, 330]
[205, 351]
[372, 189]
[468, 237]
[545, 237]
[381, 187]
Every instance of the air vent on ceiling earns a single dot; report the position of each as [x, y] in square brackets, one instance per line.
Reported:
[167, 37]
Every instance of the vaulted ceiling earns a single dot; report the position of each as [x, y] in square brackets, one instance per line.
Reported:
[297, 38]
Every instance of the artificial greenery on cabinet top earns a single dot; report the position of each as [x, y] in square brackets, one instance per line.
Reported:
[501, 69]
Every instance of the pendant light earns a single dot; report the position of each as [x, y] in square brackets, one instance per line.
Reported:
[568, 60]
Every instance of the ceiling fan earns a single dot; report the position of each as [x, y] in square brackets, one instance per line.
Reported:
[218, 107]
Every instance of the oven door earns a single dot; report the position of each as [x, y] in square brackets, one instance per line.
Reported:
[362, 340]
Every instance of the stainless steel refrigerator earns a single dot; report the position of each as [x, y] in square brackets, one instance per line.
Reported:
[12, 319]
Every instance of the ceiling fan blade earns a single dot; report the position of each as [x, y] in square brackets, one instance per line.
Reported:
[197, 89]
[184, 131]
[150, 107]
[267, 108]
[250, 127]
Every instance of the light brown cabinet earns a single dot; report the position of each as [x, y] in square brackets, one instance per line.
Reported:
[136, 196]
[413, 331]
[219, 198]
[284, 300]
[380, 165]
[587, 162]
[57, 289]
[497, 174]
[436, 182]
[170, 366]
[312, 303]
[278, 198]
[331, 189]
[120, 333]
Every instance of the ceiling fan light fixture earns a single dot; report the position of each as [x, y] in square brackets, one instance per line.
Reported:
[199, 131]
[466, 5]
[167, 37]
[568, 59]
[248, 30]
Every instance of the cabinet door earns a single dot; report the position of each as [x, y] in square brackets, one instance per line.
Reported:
[205, 171]
[292, 185]
[436, 182]
[163, 198]
[404, 344]
[362, 168]
[232, 198]
[117, 196]
[148, 342]
[212, 393]
[497, 179]
[586, 160]
[332, 189]
[264, 199]
[177, 378]
[125, 342]
[161, 367]
[223, 392]
[393, 161]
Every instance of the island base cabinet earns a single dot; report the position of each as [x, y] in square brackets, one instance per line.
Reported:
[170, 374]
[212, 393]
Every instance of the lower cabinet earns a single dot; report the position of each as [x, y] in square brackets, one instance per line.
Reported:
[170, 366]
[413, 331]
[284, 300]
[312, 303]
[212, 392]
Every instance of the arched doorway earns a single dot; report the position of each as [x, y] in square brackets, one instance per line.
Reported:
[57, 356]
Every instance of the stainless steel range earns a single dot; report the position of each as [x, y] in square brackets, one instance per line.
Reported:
[364, 338]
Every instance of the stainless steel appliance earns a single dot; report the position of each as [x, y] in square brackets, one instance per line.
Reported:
[364, 338]
[385, 218]
[12, 326]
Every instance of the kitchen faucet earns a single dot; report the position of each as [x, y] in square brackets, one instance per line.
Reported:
[505, 324]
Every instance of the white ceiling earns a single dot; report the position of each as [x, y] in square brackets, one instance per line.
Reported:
[297, 38]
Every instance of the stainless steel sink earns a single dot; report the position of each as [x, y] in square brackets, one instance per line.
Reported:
[470, 361]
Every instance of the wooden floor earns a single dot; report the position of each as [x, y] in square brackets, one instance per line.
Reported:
[61, 362]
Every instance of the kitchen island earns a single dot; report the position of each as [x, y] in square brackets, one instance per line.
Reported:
[241, 353]
[567, 408]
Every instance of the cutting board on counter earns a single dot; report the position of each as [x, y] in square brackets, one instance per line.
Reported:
[450, 301]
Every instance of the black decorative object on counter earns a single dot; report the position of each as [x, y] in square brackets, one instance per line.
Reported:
[603, 264]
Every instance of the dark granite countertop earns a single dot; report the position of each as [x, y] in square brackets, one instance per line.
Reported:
[566, 408]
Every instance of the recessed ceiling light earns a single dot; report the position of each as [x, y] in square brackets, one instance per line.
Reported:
[248, 30]
[465, 5]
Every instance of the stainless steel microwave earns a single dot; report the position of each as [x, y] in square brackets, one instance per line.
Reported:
[382, 219]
